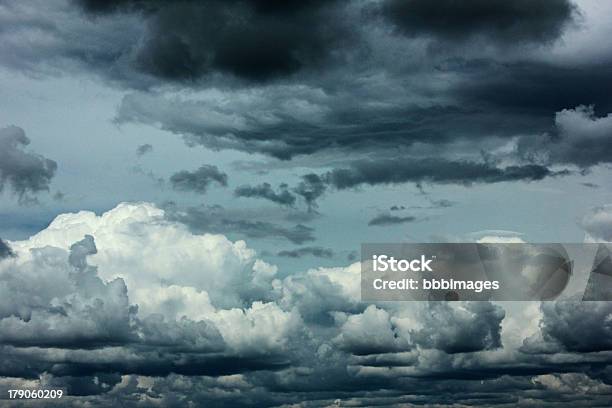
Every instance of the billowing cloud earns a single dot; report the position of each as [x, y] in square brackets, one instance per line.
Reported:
[25, 173]
[165, 305]
[470, 327]
[371, 332]
[199, 180]
[564, 323]
[132, 306]
[598, 224]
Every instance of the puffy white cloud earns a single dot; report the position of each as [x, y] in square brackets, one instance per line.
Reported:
[371, 332]
[131, 305]
[129, 275]
[136, 243]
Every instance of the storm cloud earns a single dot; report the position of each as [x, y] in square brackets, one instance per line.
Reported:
[507, 22]
[252, 40]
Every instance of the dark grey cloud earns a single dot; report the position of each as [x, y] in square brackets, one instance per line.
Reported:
[144, 149]
[25, 173]
[318, 252]
[431, 170]
[329, 84]
[448, 328]
[506, 22]
[334, 121]
[265, 191]
[199, 180]
[581, 137]
[5, 250]
[552, 88]
[253, 40]
[388, 219]
[563, 326]
[310, 188]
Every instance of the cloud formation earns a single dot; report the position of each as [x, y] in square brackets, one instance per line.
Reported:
[265, 191]
[432, 170]
[25, 173]
[388, 219]
[508, 23]
[199, 180]
[201, 310]
[252, 40]
[336, 87]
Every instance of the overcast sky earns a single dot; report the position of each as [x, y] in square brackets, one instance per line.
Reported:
[214, 167]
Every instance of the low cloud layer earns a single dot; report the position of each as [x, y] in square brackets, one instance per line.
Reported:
[201, 310]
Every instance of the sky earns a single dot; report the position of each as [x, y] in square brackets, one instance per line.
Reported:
[185, 186]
